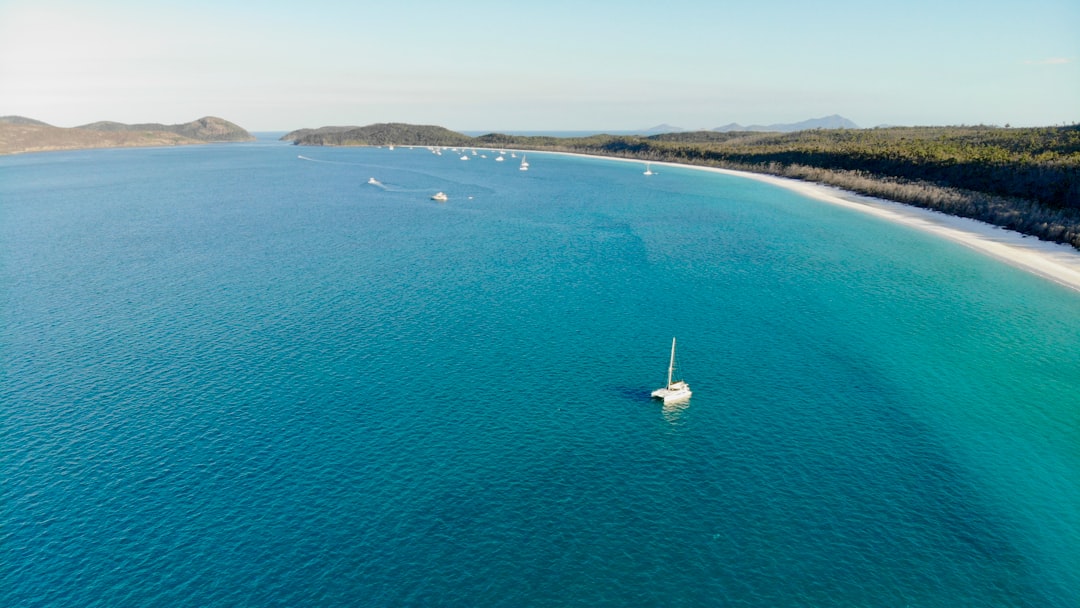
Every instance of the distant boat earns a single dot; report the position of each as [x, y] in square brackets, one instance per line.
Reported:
[648, 170]
[464, 157]
[440, 196]
[373, 181]
[391, 146]
[499, 158]
[675, 391]
[524, 164]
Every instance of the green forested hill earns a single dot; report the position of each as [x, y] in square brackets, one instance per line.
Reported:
[1041, 164]
[381, 134]
[206, 129]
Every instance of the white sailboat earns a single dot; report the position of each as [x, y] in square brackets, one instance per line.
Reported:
[648, 169]
[675, 391]
[524, 164]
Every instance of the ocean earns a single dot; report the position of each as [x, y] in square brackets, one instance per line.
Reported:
[241, 375]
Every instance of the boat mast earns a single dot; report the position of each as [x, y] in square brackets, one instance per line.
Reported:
[671, 365]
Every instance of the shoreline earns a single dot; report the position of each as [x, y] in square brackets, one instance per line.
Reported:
[1055, 262]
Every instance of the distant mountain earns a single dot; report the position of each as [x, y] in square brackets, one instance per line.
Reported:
[826, 122]
[663, 128]
[19, 134]
[731, 126]
[379, 134]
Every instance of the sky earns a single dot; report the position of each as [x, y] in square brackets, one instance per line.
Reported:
[513, 65]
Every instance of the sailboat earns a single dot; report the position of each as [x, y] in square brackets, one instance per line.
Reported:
[524, 164]
[648, 169]
[676, 391]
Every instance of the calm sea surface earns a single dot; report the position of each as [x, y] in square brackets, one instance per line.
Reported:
[235, 376]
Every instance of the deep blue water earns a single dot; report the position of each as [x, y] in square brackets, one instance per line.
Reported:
[231, 376]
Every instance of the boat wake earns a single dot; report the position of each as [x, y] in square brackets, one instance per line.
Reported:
[471, 190]
[393, 188]
[328, 162]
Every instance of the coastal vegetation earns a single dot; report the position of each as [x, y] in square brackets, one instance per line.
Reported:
[19, 134]
[1023, 179]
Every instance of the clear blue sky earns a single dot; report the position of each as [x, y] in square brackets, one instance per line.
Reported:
[541, 64]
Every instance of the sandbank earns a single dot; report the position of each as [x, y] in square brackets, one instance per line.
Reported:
[1053, 261]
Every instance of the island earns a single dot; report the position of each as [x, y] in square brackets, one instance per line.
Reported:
[1022, 179]
[19, 134]
[381, 134]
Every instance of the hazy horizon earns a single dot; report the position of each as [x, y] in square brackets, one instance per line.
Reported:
[555, 66]
[517, 131]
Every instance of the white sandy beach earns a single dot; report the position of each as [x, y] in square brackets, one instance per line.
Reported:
[1053, 261]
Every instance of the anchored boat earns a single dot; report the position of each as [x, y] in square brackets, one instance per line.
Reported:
[675, 391]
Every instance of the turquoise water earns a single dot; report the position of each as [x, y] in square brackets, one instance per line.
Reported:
[232, 376]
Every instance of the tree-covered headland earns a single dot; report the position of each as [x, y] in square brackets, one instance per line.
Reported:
[19, 134]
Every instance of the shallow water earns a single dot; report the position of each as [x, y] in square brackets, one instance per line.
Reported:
[233, 376]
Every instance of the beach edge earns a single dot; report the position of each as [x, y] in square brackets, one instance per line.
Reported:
[1056, 262]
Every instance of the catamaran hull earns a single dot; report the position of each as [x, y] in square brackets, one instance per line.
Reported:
[669, 396]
